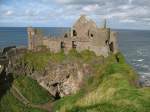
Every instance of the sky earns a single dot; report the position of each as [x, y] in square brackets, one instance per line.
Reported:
[121, 14]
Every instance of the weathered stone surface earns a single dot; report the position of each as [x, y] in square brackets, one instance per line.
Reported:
[84, 34]
[13, 55]
[62, 79]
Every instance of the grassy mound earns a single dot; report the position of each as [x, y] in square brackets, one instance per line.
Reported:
[9, 103]
[31, 90]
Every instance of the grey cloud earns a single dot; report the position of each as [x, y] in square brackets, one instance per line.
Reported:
[141, 2]
[122, 10]
[85, 2]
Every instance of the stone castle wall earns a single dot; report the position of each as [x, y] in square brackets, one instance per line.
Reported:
[83, 35]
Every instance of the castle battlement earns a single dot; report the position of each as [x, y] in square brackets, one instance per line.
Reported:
[84, 34]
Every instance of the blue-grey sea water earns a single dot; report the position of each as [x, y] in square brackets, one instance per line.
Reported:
[134, 44]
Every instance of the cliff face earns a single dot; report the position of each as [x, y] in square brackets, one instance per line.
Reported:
[88, 82]
[61, 77]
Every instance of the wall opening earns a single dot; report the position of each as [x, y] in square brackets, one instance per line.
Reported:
[106, 42]
[74, 45]
[66, 35]
[92, 35]
[57, 94]
[74, 33]
[62, 45]
[111, 46]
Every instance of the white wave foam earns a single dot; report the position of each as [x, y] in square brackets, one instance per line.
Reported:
[139, 60]
[144, 74]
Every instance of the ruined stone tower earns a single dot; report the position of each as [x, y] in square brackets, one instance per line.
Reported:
[35, 38]
[31, 35]
[84, 34]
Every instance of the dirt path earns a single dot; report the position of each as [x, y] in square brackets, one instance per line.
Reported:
[47, 106]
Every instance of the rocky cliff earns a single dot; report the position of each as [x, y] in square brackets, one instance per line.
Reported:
[63, 79]
[88, 82]
[60, 77]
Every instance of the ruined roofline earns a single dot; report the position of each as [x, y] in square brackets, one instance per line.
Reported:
[84, 35]
[83, 18]
[88, 20]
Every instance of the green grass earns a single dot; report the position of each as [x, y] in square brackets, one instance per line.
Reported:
[9, 103]
[36, 61]
[32, 90]
[112, 89]
[39, 60]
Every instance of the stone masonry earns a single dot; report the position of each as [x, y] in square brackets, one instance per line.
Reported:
[84, 34]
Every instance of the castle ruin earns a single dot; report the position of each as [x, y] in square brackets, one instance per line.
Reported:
[84, 34]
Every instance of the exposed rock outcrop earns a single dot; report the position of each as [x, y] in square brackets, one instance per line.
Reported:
[63, 79]
[60, 79]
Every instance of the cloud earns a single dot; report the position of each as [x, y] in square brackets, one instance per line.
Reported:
[127, 21]
[90, 8]
[66, 11]
[8, 13]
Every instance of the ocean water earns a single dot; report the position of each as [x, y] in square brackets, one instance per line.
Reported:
[134, 44]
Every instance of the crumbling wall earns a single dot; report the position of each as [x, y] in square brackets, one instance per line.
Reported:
[52, 44]
[82, 26]
[83, 35]
[113, 42]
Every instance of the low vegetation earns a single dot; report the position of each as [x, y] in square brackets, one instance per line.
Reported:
[31, 90]
[39, 60]
[111, 88]
[9, 103]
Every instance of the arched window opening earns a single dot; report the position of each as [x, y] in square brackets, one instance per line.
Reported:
[92, 35]
[106, 42]
[74, 33]
[62, 45]
[111, 46]
[66, 35]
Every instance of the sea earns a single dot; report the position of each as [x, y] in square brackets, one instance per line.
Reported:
[134, 44]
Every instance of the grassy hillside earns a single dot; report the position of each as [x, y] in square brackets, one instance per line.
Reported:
[30, 89]
[112, 89]
[10, 104]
